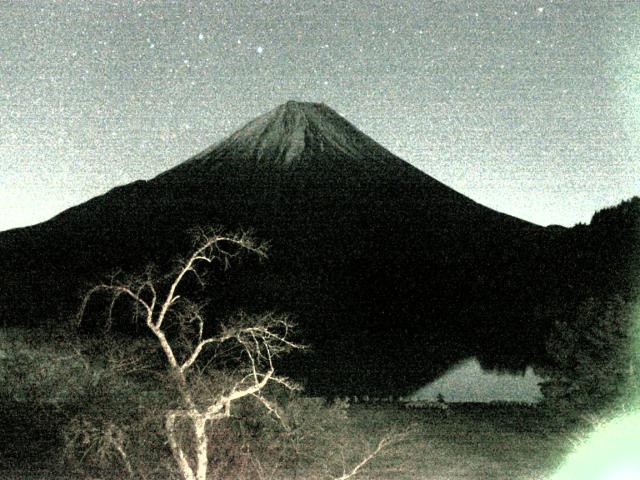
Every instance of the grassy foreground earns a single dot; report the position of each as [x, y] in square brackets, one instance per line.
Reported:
[470, 441]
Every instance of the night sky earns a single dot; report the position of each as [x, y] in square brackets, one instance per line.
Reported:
[531, 108]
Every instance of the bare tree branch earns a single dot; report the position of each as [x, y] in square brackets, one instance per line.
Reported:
[272, 408]
[384, 442]
[196, 352]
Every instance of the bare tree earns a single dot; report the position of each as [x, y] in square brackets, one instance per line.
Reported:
[185, 339]
[386, 441]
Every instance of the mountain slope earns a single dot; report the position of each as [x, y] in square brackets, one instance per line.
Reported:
[391, 275]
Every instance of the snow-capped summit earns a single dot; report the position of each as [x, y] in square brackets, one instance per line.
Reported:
[294, 135]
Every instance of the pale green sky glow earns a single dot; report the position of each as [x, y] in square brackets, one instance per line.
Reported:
[612, 452]
[628, 78]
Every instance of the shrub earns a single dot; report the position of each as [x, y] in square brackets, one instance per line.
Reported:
[591, 358]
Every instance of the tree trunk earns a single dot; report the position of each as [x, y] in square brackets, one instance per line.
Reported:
[186, 472]
[200, 425]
